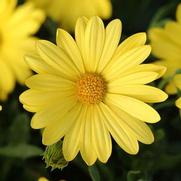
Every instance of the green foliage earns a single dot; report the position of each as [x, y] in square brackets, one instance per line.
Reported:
[94, 173]
[22, 151]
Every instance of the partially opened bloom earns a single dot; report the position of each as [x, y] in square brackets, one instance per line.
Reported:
[166, 45]
[16, 27]
[177, 81]
[90, 89]
[66, 12]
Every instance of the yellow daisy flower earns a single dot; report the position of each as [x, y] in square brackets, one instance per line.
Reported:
[68, 11]
[17, 26]
[166, 45]
[90, 89]
[177, 81]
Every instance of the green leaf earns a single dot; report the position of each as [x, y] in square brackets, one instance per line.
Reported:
[134, 175]
[21, 151]
[94, 173]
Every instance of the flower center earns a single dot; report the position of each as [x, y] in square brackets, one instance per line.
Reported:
[91, 88]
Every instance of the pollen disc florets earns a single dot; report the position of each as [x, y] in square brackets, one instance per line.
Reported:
[91, 88]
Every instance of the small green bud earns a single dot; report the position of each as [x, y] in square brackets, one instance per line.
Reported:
[53, 156]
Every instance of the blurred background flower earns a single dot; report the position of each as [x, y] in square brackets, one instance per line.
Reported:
[166, 45]
[17, 24]
[66, 12]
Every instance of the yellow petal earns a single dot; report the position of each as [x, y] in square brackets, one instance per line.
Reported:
[133, 78]
[58, 59]
[72, 139]
[173, 31]
[177, 81]
[87, 149]
[178, 103]
[67, 43]
[178, 13]
[7, 80]
[80, 34]
[48, 82]
[151, 67]
[134, 107]
[142, 92]
[113, 34]
[57, 129]
[138, 128]
[51, 114]
[131, 42]
[39, 66]
[162, 45]
[26, 20]
[94, 43]
[37, 97]
[171, 88]
[126, 61]
[124, 139]
[6, 7]
[101, 137]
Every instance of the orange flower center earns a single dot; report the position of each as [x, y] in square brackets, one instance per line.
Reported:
[91, 88]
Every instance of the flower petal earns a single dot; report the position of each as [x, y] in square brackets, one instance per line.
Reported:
[178, 103]
[131, 42]
[87, 149]
[73, 137]
[134, 107]
[162, 45]
[123, 138]
[133, 78]
[178, 13]
[48, 82]
[140, 130]
[94, 43]
[67, 43]
[127, 61]
[113, 34]
[58, 59]
[43, 98]
[101, 137]
[144, 93]
[80, 34]
[58, 128]
[39, 66]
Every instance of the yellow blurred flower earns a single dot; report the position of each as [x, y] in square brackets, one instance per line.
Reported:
[43, 179]
[90, 88]
[177, 81]
[66, 12]
[166, 45]
[17, 26]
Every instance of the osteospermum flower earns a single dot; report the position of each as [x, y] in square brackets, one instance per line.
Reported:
[166, 45]
[90, 89]
[177, 81]
[16, 27]
[66, 12]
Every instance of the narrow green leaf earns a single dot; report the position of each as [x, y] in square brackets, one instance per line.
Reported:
[21, 151]
[94, 173]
